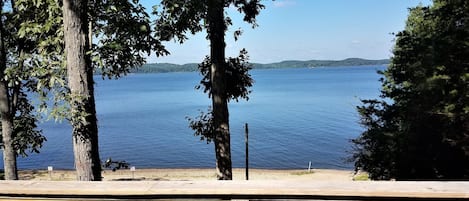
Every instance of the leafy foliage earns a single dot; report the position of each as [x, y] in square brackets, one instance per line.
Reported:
[421, 128]
[122, 30]
[238, 79]
[203, 126]
[121, 38]
[123, 35]
[21, 76]
[177, 18]
[25, 133]
[45, 32]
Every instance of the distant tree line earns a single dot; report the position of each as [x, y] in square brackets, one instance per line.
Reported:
[322, 63]
[191, 67]
[166, 68]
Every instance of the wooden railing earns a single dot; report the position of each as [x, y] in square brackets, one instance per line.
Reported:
[353, 190]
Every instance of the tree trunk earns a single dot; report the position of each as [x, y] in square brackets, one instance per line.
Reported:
[80, 81]
[9, 154]
[216, 32]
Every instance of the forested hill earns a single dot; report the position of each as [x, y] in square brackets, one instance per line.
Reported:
[167, 67]
[322, 63]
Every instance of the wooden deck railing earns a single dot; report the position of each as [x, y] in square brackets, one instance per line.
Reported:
[366, 190]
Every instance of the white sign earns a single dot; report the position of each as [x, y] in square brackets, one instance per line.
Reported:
[50, 168]
[132, 168]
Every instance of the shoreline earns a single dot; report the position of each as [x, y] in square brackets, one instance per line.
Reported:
[190, 174]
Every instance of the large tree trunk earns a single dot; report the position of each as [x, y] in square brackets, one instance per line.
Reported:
[80, 81]
[216, 34]
[9, 154]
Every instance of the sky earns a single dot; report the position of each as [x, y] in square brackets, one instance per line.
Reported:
[305, 30]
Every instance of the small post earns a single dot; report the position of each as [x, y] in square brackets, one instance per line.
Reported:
[132, 169]
[247, 150]
[50, 169]
[309, 166]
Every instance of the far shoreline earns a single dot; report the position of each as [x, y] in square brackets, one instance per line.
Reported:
[150, 68]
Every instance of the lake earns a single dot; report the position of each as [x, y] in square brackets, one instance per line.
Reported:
[294, 116]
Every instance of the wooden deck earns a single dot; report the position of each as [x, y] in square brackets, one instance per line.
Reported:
[366, 190]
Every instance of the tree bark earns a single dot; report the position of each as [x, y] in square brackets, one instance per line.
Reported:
[80, 81]
[9, 154]
[216, 32]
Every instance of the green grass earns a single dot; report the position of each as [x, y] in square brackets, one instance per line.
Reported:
[361, 177]
[302, 173]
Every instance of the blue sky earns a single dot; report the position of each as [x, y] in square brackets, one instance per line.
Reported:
[305, 30]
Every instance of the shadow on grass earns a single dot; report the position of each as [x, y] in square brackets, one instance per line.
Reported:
[139, 179]
[302, 173]
[30, 174]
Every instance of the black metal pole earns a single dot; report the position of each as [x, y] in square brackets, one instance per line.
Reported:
[247, 150]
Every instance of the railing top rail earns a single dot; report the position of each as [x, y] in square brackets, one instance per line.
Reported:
[363, 190]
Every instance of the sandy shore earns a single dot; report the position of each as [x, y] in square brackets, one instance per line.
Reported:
[194, 174]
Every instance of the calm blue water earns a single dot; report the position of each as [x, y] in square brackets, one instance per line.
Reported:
[294, 115]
